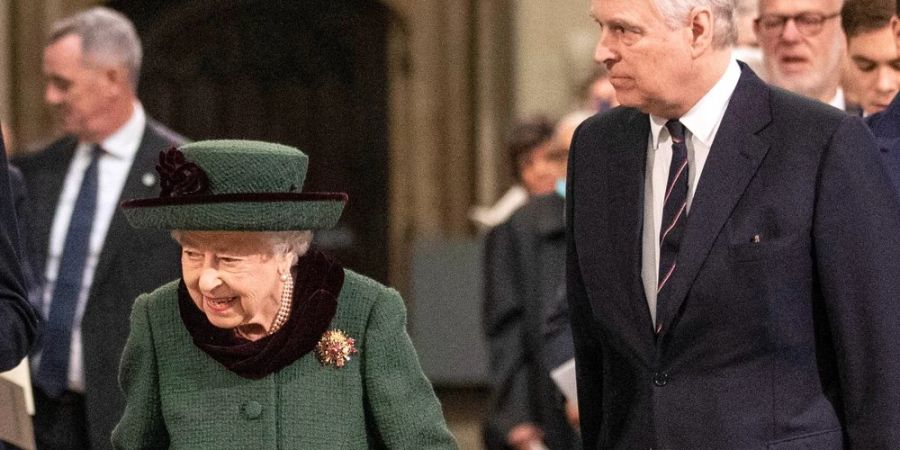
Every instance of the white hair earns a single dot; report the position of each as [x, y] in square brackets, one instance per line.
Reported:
[294, 242]
[107, 38]
[725, 29]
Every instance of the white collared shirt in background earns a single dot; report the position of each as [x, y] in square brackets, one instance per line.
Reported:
[839, 101]
[112, 171]
[702, 123]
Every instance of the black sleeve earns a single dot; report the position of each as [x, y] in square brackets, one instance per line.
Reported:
[505, 326]
[18, 321]
[557, 331]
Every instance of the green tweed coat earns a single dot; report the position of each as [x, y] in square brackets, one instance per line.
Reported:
[179, 397]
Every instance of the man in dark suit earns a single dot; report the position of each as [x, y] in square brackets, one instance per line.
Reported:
[524, 268]
[18, 323]
[886, 124]
[93, 263]
[886, 127]
[874, 67]
[732, 252]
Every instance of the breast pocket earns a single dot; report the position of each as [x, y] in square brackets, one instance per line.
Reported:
[759, 247]
[823, 440]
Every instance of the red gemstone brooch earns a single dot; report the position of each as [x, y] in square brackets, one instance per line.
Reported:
[335, 348]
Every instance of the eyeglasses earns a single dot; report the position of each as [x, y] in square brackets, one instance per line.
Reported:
[808, 23]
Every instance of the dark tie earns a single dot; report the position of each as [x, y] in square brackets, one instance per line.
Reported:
[674, 215]
[52, 374]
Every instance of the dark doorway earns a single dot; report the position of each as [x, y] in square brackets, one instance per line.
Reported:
[310, 73]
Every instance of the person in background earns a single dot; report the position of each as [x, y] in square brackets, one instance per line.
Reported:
[558, 350]
[264, 342]
[539, 161]
[524, 263]
[21, 203]
[747, 47]
[598, 92]
[536, 165]
[804, 48]
[732, 248]
[78, 238]
[874, 59]
[886, 124]
[18, 321]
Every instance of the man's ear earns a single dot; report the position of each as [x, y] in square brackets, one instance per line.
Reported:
[701, 24]
[116, 79]
[895, 23]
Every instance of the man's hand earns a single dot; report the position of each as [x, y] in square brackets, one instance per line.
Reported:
[526, 436]
[572, 414]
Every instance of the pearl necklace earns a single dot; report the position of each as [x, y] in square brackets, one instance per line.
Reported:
[284, 310]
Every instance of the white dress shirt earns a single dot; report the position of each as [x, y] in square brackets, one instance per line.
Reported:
[701, 123]
[112, 171]
[839, 101]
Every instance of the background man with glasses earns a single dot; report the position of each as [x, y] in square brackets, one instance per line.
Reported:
[803, 47]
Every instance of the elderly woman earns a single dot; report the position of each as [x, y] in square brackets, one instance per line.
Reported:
[264, 342]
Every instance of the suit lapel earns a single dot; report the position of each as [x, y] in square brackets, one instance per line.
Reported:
[633, 178]
[734, 158]
[142, 182]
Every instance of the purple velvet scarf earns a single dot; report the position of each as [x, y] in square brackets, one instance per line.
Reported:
[317, 283]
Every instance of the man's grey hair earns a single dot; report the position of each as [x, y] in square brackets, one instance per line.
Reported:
[725, 30]
[108, 38]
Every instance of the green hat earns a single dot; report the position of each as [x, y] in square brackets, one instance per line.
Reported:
[231, 185]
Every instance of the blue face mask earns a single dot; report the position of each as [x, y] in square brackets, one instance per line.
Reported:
[603, 106]
[561, 187]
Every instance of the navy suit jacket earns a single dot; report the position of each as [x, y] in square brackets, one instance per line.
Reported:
[886, 127]
[788, 341]
[18, 321]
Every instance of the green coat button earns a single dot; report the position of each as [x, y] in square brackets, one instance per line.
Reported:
[251, 410]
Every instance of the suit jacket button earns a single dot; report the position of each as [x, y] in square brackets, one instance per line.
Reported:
[251, 410]
[661, 379]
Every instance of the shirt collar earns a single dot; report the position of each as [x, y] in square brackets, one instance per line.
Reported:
[839, 101]
[703, 118]
[124, 142]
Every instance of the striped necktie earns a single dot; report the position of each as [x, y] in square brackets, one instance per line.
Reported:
[674, 215]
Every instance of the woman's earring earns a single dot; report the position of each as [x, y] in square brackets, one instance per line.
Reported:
[284, 277]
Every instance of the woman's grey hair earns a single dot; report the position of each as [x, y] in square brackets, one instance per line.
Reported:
[725, 29]
[294, 242]
[108, 38]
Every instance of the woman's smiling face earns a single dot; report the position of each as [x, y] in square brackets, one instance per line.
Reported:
[234, 278]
